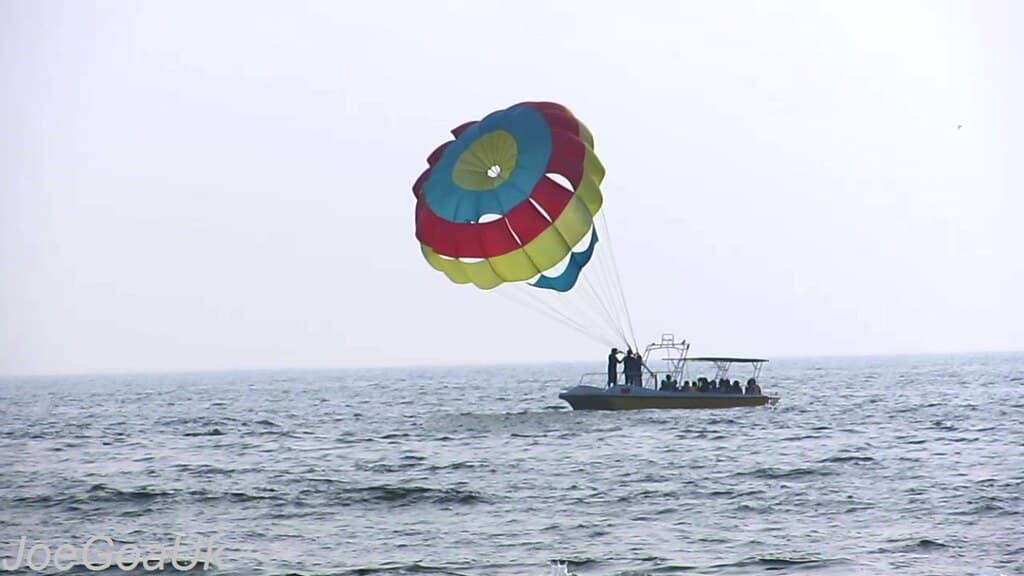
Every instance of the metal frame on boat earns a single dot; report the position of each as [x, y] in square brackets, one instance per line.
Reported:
[619, 396]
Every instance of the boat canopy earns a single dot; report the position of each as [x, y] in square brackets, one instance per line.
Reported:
[726, 359]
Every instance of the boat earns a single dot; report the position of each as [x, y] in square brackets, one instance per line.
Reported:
[661, 389]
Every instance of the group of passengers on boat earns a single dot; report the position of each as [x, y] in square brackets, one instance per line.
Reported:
[702, 384]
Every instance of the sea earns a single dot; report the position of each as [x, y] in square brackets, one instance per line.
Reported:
[876, 465]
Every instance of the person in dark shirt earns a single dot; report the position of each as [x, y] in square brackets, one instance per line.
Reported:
[637, 370]
[613, 366]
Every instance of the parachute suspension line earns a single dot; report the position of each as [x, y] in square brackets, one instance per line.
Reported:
[574, 299]
[604, 273]
[597, 286]
[536, 297]
[608, 317]
[544, 308]
[551, 314]
[604, 277]
[618, 280]
[587, 290]
[537, 305]
[577, 303]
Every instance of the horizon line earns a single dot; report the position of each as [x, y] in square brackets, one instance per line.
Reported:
[413, 365]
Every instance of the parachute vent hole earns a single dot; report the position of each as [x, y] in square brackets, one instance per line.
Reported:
[540, 209]
[561, 181]
[513, 232]
[494, 171]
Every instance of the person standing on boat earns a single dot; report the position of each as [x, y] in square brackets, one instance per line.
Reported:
[627, 367]
[613, 366]
[632, 367]
[638, 370]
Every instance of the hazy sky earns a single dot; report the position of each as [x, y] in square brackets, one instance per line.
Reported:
[216, 185]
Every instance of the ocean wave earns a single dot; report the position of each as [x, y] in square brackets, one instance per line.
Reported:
[210, 432]
[96, 495]
[460, 465]
[106, 493]
[773, 563]
[326, 494]
[399, 569]
[851, 459]
[924, 544]
[776, 473]
[408, 495]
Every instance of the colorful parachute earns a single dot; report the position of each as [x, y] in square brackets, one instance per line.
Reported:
[511, 198]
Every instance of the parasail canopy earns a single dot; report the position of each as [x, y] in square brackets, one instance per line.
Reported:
[512, 199]
[511, 205]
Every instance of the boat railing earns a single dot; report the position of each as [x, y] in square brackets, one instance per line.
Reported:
[600, 379]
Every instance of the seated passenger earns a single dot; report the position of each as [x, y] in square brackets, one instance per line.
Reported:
[752, 388]
[735, 388]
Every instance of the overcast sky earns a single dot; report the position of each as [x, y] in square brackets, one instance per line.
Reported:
[218, 185]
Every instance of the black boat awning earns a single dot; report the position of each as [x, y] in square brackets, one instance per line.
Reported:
[726, 359]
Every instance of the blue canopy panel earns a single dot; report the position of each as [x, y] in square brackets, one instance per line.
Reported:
[567, 279]
[532, 148]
